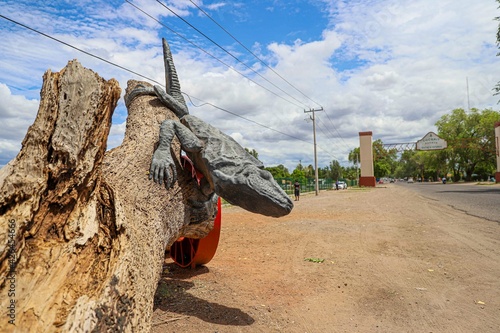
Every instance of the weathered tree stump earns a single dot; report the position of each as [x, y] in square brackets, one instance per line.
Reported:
[83, 232]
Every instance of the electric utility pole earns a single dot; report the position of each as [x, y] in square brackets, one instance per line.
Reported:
[315, 154]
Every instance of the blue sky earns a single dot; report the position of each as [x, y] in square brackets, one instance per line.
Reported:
[393, 67]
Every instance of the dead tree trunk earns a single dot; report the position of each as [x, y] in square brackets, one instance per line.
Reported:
[83, 231]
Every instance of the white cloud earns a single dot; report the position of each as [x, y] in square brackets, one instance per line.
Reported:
[116, 135]
[391, 67]
[17, 114]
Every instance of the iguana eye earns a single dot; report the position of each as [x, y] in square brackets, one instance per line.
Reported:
[265, 175]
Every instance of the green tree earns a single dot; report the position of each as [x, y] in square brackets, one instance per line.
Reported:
[354, 156]
[279, 171]
[497, 87]
[298, 173]
[323, 172]
[426, 165]
[309, 171]
[487, 142]
[335, 169]
[406, 166]
[350, 172]
[471, 140]
[253, 152]
[384, 161]
[420, 164]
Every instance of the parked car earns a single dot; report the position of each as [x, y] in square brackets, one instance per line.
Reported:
[410, 180]
[342, 185]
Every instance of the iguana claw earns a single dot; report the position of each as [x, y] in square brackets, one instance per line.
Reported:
[162, 168]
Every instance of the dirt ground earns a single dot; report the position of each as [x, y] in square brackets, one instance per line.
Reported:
[392, 261]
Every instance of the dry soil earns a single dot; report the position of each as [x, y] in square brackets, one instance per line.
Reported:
[356, 260]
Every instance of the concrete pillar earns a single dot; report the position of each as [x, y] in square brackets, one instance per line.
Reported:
[497, 142]
[367, 177]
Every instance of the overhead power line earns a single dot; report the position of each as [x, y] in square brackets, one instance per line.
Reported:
[259, 59]
[238, 60]
[336, 129]
[151, 80]
[256, 57]
[242, 117]
[329, 135]
[78, 49]
[229, 53]
[211, 55]
[159, 83]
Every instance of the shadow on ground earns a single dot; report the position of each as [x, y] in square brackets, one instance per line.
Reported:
[172, 295]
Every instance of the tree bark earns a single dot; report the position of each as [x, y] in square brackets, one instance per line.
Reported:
[83, 231]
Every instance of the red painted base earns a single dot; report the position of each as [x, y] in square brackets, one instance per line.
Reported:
[497, 177]
[367, 181]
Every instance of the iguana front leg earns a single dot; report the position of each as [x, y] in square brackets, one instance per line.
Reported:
[162, 168]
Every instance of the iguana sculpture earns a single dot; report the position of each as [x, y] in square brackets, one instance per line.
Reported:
[228, 170]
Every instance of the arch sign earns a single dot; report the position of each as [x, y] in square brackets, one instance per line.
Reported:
[431, 141]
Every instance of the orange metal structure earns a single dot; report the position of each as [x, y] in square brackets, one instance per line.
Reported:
[190, 252]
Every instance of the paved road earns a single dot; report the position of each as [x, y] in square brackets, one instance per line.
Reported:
[478, 200]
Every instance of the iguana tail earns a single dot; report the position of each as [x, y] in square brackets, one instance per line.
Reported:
[172, 85]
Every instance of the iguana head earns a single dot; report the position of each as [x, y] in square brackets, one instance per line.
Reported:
[252, 189]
